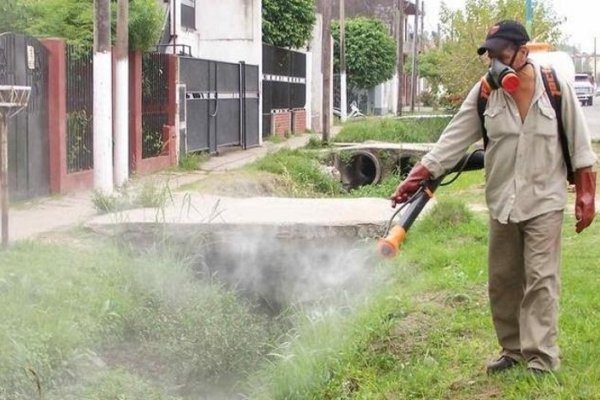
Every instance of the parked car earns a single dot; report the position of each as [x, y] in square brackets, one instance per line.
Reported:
[584, 88]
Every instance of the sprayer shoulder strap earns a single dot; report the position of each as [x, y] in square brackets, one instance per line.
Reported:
[482, 100]
[552, 87]
[554, 94]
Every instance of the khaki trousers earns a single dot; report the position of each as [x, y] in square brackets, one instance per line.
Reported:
[524, 287]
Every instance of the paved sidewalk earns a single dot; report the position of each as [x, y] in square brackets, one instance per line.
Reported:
[32, 218]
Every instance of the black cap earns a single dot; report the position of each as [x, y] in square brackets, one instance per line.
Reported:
[502, 35]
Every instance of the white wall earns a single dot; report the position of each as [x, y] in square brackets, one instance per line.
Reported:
[384, 94]
[226, 30]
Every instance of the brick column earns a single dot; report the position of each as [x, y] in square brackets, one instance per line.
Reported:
[135, 110]
[57, 112]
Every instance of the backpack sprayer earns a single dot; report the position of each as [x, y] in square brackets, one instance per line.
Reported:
[394, 236]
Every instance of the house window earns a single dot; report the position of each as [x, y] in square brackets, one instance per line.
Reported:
[188, 14]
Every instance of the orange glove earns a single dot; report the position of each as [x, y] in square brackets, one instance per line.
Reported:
[585, 189]
[411, 184]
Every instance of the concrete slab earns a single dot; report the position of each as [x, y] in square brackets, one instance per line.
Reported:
[209, 209]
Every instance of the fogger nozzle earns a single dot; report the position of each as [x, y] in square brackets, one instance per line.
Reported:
[389, 245]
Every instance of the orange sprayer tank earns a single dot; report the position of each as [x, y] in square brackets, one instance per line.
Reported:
[559, 60]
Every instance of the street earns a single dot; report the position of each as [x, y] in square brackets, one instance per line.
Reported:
[592, 114]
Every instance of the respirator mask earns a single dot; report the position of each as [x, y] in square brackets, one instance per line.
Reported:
[503, 76]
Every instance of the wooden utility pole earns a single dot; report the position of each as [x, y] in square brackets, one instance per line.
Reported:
[103, 160]
[414, 59]
[343, 92]
[400, 55]
[121, 110]
[422, 25]
[529, 17]
[326, 62]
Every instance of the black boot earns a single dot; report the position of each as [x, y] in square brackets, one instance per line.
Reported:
[501, 364]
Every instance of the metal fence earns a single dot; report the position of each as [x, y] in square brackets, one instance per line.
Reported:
[221, 104]
[80, 107]
[155, 102]
[24, 61]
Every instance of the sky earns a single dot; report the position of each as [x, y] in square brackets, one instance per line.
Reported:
[582, 19]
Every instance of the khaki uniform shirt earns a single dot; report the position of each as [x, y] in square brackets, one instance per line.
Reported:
[524, 165]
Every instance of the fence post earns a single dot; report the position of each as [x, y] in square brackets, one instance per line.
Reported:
[242, 103]
[173, 78]
[135, 110]
[57, 112]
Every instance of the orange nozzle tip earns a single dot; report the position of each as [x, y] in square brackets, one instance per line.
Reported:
[388, 246]
[386, 249]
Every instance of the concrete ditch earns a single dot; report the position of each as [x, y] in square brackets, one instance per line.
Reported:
[281, 251]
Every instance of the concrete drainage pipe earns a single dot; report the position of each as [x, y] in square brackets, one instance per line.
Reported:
[360, 168]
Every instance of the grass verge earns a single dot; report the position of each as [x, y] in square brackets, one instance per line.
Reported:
[98, 322]
[428, 333]
[303, 173]
[425, 130]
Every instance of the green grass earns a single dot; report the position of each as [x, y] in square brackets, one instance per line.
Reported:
[192, 161]
[88, 321]
[94, 321]
[425, 130]
[148, 194]
[427, 334]
[303, 173]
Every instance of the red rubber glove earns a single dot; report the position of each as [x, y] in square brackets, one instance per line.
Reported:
[411, 184]
[585, 189]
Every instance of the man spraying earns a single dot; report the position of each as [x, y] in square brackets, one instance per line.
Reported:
[527, 161]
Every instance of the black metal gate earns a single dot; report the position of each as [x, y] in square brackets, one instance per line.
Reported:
[24, 62]
[284, 82]
[221, 104]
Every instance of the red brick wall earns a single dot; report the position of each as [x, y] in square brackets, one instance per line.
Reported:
[281, 122]
[298, 120]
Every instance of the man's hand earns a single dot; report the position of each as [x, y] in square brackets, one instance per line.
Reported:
[585, 189]
[411, 184]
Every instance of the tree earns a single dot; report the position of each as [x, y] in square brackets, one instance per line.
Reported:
[464, 30]
[370, 51]
[12, 16]
[288, 23]
[428, 67]
[73, 20]
[145, 24]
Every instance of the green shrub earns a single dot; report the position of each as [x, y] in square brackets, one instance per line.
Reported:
[192, 161]
[152, 195]
[110, 202]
